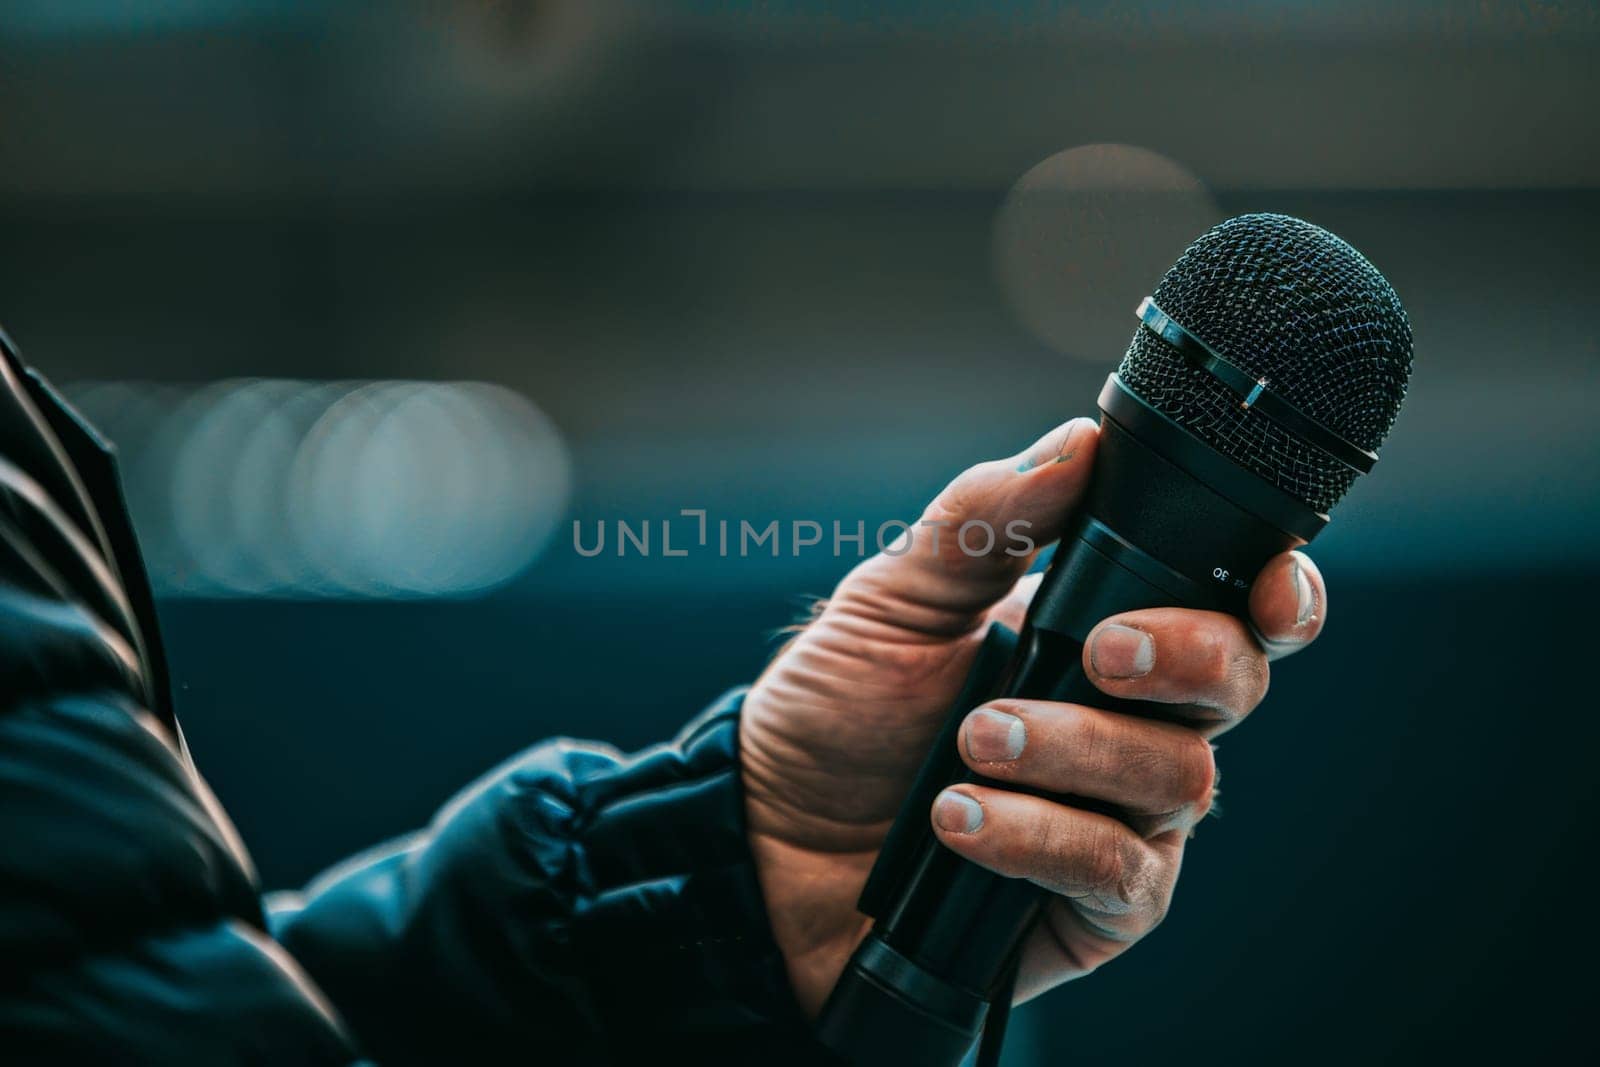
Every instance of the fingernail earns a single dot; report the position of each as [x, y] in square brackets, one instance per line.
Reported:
[994, 736]
[1305, 596]
[1066, 451]
[957, 813]
[1062, 452]
[1122, 652]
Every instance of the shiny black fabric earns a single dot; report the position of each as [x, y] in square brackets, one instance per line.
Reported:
[596, 907]
[575, 906]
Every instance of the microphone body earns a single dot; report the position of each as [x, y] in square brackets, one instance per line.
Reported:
[1166, 522]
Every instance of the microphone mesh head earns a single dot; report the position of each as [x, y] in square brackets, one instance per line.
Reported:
[1288, 301]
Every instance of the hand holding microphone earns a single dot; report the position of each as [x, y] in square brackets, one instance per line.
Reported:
[1268, 365]
[836, 728]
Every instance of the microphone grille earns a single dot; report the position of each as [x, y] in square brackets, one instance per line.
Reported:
[1289, 302]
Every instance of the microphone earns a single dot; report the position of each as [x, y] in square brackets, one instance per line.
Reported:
[1267, 367]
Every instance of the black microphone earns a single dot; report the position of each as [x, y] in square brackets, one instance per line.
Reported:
[1267, 367]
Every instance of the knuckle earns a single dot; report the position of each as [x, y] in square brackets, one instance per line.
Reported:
[1165, 890]
[1197, 772]
[1245, 680]
[1230, 669]
[1160, 907]
[1255, 676]
[1104, 866]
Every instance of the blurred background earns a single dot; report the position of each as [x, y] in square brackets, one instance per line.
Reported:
[379, 303]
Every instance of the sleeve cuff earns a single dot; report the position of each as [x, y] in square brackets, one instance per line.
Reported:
[576, 901]
[671, 929]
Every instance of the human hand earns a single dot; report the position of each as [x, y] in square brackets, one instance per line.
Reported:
[833, 732]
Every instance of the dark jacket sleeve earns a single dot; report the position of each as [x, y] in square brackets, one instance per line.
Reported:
[130, 926]
[575, 906]
[599, 908]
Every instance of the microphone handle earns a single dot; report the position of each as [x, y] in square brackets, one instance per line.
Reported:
[948, 933]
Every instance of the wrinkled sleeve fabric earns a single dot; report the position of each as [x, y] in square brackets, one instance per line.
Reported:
[596, 907]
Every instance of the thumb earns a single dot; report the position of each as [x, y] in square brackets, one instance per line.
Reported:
[977, 537]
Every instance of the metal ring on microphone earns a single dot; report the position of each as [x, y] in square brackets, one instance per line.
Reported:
[1255, 394]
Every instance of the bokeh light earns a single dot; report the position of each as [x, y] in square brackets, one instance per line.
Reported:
[277, 487]
[1082, 230]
